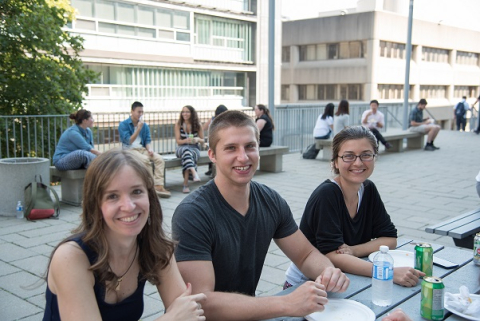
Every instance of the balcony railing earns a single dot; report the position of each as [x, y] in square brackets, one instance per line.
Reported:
[37, 136]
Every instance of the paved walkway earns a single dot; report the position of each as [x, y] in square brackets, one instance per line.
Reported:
[418, 188]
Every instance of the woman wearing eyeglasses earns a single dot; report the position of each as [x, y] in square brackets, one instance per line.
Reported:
[345, 218]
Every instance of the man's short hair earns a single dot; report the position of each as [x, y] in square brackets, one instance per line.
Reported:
[229, 118]
[374, 101]
[464, 97]
[136, 104]
[422, 101]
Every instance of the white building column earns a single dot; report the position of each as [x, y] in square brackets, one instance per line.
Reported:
[373, 54]
[262, 51]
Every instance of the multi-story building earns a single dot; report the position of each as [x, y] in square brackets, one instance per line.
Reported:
[360, 55]
[168, 54]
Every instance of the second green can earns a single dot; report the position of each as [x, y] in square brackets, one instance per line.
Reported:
[431, 306]
[424, 258]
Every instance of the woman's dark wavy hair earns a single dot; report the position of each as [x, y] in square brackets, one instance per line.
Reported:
[266, 111]
[351, 133]
[80, 115]
[155, 248]
[196, 126]
[328, 111]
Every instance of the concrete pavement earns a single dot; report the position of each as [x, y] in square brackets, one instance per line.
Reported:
[419, 188]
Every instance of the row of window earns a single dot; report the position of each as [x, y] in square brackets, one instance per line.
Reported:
[134, 20]
[340, 50]
[357, 49]
[328, 92]
[384, 91]
[133, 14]
[163, 82]
[435, 55]
[392, 50]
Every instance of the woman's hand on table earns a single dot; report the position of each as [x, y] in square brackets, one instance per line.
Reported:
[406, 276]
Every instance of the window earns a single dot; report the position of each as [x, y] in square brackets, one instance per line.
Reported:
[84, 7]
[285, 54]
[105, 10]
[392, 50]
[321, 52]
[341, 50]
[182, 36]
[125, 13]
[164, 18]
[146, 15]
[84, 24]
[333, 51]
[435, 55]
[467, 58]
[431, 91]
[285, 92]
[219, 32]
[355, 92]
[468, 91]
[390, 91]
[161, 82]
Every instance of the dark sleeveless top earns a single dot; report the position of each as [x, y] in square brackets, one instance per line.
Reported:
[129, 309]
[266, 135]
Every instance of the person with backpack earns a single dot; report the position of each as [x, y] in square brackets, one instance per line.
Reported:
[460, 113]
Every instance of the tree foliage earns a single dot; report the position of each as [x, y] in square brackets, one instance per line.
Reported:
[40, 68]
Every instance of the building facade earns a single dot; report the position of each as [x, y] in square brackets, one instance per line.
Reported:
[361, 56]
[168, 54]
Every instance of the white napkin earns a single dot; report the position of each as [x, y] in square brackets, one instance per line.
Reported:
[463, 303]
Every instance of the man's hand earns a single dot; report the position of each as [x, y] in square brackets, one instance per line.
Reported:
[333, 279]
[150, 152]
[406, 276]
[307, 298]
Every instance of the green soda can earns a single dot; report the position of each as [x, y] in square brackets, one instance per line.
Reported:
[476, 249]
[424, 258]
[431, 307]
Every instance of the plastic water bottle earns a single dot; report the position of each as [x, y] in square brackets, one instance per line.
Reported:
[382, 278]
[19, 210]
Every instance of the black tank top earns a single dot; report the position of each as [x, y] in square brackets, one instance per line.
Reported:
[129, 309]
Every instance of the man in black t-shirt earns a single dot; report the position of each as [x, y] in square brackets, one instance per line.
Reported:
[225, 228]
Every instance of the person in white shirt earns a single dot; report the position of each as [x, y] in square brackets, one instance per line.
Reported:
[374, 119]
[324, 126]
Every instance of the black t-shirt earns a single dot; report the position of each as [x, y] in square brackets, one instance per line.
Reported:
[327, 224]
[209, 229]
[266, 135]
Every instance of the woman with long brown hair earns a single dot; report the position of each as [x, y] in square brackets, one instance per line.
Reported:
[189, 136]
[99, 272]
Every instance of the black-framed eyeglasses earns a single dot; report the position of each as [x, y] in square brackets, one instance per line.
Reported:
[351, 158]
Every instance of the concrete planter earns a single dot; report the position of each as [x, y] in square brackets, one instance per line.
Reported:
[15, 174]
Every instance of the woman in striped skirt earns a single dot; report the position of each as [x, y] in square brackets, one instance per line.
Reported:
[189, 136]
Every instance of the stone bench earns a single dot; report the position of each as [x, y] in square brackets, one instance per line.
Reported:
[72, 181]
[461, 228]
[72, 184]
[393, 136]
[271, 159]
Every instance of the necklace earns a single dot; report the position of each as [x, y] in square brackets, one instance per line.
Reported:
[120, 278]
